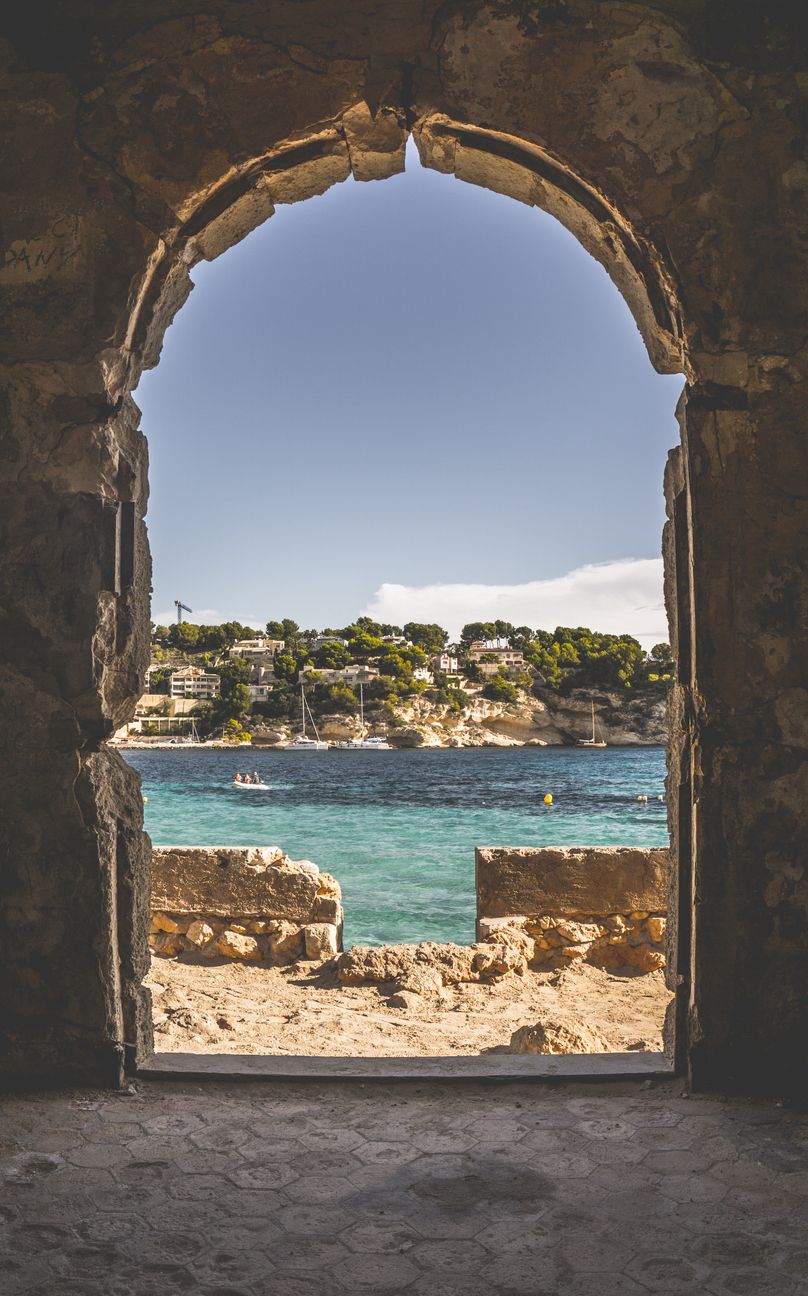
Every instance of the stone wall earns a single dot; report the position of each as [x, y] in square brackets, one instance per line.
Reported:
[605, 905]
[251, 903]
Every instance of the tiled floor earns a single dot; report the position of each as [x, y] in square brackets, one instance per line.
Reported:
[280, 1189]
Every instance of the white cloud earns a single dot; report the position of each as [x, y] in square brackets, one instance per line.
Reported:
[623, 597]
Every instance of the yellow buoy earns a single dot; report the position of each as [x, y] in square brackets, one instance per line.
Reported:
[548, 800]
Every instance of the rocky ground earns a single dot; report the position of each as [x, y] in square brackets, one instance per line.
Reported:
[302, 1009]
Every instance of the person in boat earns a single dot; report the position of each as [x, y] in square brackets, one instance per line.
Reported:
[247, 779]
[255, 777]
[238, 778]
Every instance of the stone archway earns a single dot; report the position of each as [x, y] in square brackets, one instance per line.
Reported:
[159, 144]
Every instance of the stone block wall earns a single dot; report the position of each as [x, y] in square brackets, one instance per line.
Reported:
[250, 903]
[601, 905]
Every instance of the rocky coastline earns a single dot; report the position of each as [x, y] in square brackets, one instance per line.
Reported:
[638, 719]
[547, 720]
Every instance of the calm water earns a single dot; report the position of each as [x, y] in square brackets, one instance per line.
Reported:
[399, 828]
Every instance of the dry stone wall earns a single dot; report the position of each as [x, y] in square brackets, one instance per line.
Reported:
[602, 905]
[250, 903]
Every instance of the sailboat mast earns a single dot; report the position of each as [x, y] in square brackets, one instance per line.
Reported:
[303, 708]
[593, 719]
[361, 711]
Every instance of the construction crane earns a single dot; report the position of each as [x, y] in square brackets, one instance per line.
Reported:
[180, 609]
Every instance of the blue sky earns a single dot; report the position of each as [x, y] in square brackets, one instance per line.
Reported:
[395, 394]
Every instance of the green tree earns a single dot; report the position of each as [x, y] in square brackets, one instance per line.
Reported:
[285, 667]
[332, 656]
[429, 636]
[476, 630]
[498, 689]
[329, 698]
[158, 680]
[662, 655]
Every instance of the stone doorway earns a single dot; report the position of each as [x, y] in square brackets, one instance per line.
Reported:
[159, 144]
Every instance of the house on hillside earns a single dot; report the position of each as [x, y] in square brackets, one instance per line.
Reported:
[322, 640]
[445, 662]
[350, 675]
[256, 649]
[193, 682]
[505, 657]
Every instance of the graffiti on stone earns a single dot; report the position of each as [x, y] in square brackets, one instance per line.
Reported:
[52, 253]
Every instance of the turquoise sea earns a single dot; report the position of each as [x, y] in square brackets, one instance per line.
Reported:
[399, 828]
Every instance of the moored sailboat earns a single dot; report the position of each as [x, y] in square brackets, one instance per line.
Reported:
[362, 743]
[594, 741]
[302, 742]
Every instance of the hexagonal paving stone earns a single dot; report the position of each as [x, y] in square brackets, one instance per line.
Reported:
[312, 1218]
[385, 1154]
[220, 1138]
[692, 1188]
[386, 1236]
[377, 1273]
[331, 1138]
[311, 1188]
[669, 1273]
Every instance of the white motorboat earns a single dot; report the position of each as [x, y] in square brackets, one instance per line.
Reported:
[302, 743]
[362, 743]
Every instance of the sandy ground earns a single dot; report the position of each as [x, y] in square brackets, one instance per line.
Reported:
[240, 1008]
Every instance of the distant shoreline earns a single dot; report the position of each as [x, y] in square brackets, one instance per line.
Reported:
[157, 745]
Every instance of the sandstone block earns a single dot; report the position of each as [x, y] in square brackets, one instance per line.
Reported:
[285, 941]
[421, 980]
[327, 885]
[167, 944]
[405, 999]
[199, 933]
[576, 933]
[303, 866]
[566, 879]
[558, 1034]
[327, 909]
[656, 929]
[223, 882]
[491, 928]
[163, 923]
[235, 945]
[321, 940]
[645, 959]
[511, 953]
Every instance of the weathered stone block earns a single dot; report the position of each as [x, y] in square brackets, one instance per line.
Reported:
[569, 880]
[284, 941]
[321, 941]
[233, 944]
[199, 933]
[230, 881]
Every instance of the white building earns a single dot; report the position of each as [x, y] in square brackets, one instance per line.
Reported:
[445, 662]
[400, 641]
[322, 640]
[193, 682]
[350, 675]
[260, 692]
[252, 649]
[506, 657]
[423, 674]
